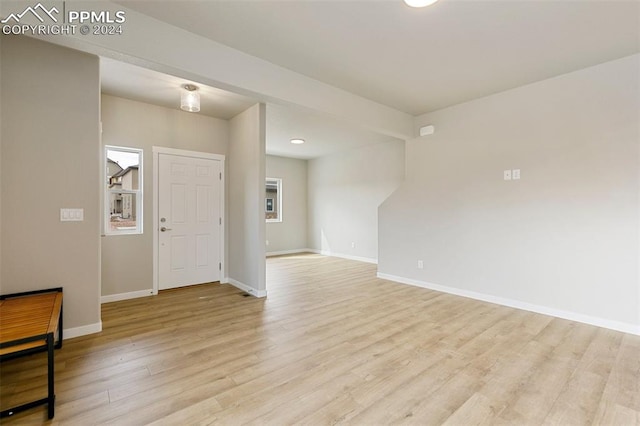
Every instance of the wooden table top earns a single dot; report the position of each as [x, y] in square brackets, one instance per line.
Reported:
[28, 316]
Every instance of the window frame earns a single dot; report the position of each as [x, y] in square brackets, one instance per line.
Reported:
[278, 200]
[138, 193]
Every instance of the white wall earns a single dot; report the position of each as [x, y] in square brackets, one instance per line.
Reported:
[290, 234]
[127, 260]
[564, 238]
[50, 149]
[245, 217]
[345, 190]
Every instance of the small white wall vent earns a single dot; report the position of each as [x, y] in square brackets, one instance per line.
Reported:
[427, 130]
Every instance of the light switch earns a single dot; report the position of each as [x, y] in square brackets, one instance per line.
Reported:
[507, 175]
[71, 215]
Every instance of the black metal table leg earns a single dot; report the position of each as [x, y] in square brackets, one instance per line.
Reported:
[51, 397]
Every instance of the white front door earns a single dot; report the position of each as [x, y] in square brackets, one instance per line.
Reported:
[189, 228]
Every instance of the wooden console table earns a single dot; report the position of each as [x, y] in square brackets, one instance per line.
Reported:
[29, 322]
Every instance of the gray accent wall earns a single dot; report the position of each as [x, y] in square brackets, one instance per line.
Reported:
[565, 236]
[245, 217]
[291, 233]
[50, 141]
[127, 260]
[345, 190]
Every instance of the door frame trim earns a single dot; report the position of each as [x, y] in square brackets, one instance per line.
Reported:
[157, 150]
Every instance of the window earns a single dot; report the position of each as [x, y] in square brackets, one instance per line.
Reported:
[273, 200]
[123, 190]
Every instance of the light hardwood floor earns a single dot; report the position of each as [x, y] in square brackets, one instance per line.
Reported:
[332, 344]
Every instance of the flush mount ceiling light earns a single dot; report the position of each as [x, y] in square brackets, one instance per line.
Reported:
[297, 141]
[190, 98]
[419, 3]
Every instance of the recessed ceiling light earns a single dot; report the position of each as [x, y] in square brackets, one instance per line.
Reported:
[297, 141]
[419, 3]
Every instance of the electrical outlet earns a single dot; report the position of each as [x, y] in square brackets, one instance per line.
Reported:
[267, 242]
[507, 175]
[353, 244]
[515, 174]
[420, 264]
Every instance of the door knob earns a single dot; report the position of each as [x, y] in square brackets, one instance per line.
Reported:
[163, 229]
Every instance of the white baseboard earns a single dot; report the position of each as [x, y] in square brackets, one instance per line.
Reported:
[242, 286]
[70, 333]
[558, 313]
[344, 256]
[126, 296]
[284, 252]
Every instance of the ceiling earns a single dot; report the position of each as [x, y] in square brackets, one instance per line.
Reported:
[413, 60]
[416, 60]
[323, 135]
[145, 85]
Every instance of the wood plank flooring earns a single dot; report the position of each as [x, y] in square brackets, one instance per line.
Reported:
[332, 344]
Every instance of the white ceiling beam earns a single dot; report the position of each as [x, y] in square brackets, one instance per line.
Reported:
[157, 45]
